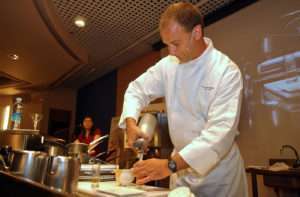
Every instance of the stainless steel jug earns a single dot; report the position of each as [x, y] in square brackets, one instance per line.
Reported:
[148, 124]
[63, 173]
[29, 164]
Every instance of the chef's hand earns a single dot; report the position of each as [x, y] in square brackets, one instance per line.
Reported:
[151, 170]
[92, 152]
[133, 132]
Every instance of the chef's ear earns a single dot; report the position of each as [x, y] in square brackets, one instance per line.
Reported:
[197, 32]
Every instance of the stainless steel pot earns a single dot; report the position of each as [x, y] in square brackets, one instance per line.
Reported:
[20, 140]
[82, 150]
[77, 148]
[54, 148]
[62, 173]
[29, 164]
[83, 157]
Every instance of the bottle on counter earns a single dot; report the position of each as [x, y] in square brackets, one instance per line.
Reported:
[17, 114]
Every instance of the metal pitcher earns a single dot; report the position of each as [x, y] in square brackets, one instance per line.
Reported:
[63, 173]
[148, 124]
[29, 164]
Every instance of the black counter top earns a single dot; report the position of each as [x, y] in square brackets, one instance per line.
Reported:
[12, 185]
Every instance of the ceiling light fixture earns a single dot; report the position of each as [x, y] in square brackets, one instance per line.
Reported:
[14, 57]
[80, 21]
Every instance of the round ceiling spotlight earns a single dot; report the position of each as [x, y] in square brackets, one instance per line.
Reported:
[80, 21]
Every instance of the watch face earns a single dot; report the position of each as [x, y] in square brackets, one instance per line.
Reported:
[172, 166]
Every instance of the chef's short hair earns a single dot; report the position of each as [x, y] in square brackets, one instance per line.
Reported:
[186, 14]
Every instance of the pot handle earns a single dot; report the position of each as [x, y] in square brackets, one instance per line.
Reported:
[2, 162]
[52, 166]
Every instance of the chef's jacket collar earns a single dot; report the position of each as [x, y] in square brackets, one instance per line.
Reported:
[203, 57]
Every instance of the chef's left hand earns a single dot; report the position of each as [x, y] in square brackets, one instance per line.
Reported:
[151, 170]
[92, 152]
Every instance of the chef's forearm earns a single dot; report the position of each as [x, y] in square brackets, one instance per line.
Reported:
[180, 163]
[130, 122]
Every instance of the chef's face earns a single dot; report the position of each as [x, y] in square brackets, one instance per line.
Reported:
[180, 42]
[88, 123]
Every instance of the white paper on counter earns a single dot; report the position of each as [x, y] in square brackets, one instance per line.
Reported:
[84, 187]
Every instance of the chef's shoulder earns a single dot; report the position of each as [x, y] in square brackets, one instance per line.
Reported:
[165, 64]
[225, 67]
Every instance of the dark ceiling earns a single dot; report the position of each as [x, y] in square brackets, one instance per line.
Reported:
[56, 53]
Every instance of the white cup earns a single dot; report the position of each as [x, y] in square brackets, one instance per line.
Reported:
[124, 177]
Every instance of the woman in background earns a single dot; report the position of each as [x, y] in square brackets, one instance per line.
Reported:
[88, 132]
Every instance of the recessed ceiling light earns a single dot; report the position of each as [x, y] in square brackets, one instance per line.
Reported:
[80, 21]
[14, 57]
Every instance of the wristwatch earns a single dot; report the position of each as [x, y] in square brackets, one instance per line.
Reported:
[172, 166]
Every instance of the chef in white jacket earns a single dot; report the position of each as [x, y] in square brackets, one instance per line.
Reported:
[202, 88]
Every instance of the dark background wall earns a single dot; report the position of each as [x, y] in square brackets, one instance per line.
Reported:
[130, 72]
[98, 99]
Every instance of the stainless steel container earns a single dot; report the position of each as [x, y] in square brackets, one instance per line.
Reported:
[29, 164]
[148, 124]
[62, 173]
[78, 150]
[54, 148]
[19, 139]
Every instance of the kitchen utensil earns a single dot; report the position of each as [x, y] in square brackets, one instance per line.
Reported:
[5, 152]
[147, 124]
[62, 173]
[29, 164]
[95, 170]
[3, 165]
[96, 142]
[21, 140]
[78, 150]
[54, 150]
[124, 177]
[139, 146]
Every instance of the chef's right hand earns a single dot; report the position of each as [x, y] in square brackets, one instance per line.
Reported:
[133, 132]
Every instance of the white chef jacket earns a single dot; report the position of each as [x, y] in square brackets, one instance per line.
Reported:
[203, 98]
